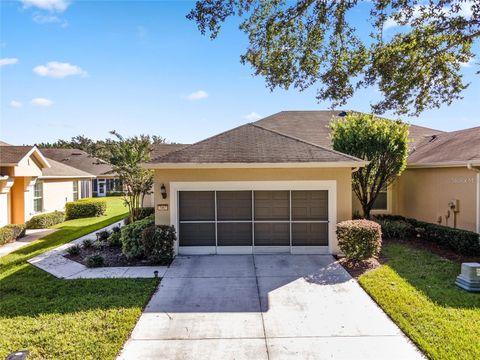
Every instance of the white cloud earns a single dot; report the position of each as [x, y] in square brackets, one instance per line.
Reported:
[390, 23]
[16, 104]
[8, 61]
[253, 116]
[49, 5]
[467, 64]
[197, 95]
[58, 70]
[41, 102]
[49, 19]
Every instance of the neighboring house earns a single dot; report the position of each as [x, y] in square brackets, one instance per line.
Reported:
[277, 186]
[104, 183]
[31, 184]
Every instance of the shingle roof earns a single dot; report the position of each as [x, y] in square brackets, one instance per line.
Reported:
[456, 146]
[59, 170]
[13, 154]
[314, 126]
[163, 149]
[79, 159]
[251, 143]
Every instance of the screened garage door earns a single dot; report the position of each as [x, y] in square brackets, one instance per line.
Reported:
[253, 221]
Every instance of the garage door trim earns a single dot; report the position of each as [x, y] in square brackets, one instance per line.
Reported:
[329, 185]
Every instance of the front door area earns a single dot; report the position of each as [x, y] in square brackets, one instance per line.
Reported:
[250, 221]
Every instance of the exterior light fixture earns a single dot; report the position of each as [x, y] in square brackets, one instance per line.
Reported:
[163, 191]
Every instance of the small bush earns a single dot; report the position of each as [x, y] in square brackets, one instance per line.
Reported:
[103, 235]
[158, 243]
[461, 241]
[43, 221]
[114, 239]
[116, 229]
[11, 233]
[85, 208]
[94, 261]
[74, 250]
[395, 229]
[98, 245]
[359, 239]
[87, 243]
[131, 236]
[144, 212]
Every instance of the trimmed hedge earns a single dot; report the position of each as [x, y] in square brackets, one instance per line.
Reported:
[461, 241]
[85, 208]
[131, 238]
[158, 243]
[11, 233]
[359, 239]
[43, 221]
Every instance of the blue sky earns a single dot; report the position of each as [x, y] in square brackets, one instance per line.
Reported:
[88, 67]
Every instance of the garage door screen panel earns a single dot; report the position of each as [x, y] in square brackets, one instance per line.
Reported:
[197, 206]
[310, 234]
[234, 234]
[234, 205]
[197, 234]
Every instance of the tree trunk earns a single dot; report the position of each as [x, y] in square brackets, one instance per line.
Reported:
[366, 211]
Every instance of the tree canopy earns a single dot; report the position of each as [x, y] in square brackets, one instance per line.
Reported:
[308, 43]
[382, 142]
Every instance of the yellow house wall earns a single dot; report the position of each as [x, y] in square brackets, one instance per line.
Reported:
[341, 175]
[18, 207]
[56, 193]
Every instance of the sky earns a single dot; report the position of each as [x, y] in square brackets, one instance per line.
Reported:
[72, 68]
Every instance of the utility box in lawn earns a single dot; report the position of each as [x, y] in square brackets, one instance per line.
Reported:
[469, 279]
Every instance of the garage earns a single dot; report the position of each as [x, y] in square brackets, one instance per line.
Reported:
[253, 219]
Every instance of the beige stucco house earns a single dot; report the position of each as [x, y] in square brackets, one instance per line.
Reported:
[278, 186]
[31, 184]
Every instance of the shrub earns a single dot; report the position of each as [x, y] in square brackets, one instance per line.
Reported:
[85, 208]
[458, 240]
[95, 260]
[74, 250]
[144, 212]
[103, 235]
[131, 236]
[158, 243]
[114, 239]
[395, 229]
[43, 221]
[11, 233]
[87, 243]
[359, 239]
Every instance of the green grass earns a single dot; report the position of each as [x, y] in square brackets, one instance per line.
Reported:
[416, 289]
[67, 319]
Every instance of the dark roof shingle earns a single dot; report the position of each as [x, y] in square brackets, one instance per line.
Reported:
[58, 169]
[252, 143]
[79, 159]
[13, 154]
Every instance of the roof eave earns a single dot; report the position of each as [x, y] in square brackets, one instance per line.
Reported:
[443, 164]
[256, 165]
[49, 177]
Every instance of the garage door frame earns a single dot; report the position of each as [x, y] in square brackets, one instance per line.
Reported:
[329, 185]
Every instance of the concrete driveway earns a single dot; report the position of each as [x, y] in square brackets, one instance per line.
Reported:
[263, 307]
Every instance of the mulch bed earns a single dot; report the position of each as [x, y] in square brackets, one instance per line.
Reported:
[358, 268]
[112, 255]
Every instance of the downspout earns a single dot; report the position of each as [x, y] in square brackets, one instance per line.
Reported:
[470, 167]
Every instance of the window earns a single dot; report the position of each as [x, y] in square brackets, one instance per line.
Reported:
[38, 196]
[75, 190]
[381, 202]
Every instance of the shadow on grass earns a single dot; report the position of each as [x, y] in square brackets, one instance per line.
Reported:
[30, 292]
[430, 274]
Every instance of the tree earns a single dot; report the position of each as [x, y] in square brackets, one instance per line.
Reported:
[306, 42]
[126, 156]
[384, 143]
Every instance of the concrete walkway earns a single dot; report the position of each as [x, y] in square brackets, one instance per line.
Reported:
[31, 235]
[263, 307]
[55, 263]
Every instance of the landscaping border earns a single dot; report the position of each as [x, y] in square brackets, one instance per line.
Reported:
[55, 263]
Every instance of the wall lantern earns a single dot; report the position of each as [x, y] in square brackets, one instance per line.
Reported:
[163, 191]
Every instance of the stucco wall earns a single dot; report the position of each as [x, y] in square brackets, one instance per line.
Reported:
[4, 209]
[341, 175]
[424, 194]
[56, 193]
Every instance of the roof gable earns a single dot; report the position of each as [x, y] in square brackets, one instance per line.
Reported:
[13, 155]
[250, 144]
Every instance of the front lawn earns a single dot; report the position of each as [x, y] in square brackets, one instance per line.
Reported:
[416, 289]
[67, 319]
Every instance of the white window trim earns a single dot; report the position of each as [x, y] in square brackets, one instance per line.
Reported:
[38, 182]
[329, 185]
[388, 210]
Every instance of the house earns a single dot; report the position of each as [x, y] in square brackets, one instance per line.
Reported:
[277, 185]
[105, 181]
[31, 184]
